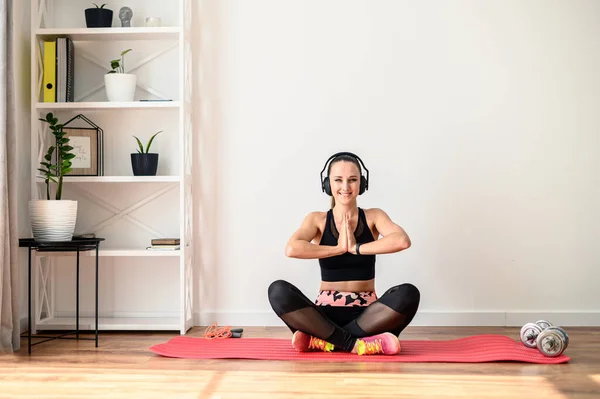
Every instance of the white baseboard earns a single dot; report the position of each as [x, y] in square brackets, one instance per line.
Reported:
[425, 318]
[438, 319]
[573, 319]
[249, 318]
[90, 313]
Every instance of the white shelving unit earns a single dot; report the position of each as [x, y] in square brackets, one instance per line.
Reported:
[120, 179]
[112, 323]
[132, 33]
[124, 209]
[77, 106]
[122, 253]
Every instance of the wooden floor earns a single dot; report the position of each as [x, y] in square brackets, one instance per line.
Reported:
[122, 367]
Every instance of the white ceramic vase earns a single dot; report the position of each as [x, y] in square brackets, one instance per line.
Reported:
[120, 86]
[52, 220]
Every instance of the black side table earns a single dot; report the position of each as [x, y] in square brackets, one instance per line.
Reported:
[75, 245]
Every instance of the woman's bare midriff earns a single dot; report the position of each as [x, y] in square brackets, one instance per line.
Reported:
[349, 286]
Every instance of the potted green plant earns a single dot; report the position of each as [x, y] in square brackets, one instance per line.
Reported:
[120, 86]
[98, 17]
[53, 219]
[143, 162]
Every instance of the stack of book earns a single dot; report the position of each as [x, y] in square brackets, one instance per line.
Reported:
[164, 244]
[59, 70]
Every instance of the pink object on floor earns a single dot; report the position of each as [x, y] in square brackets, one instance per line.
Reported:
[474, 349]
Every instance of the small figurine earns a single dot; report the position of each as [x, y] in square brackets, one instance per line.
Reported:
[125, 15]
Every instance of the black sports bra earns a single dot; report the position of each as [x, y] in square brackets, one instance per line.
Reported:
[347, 267]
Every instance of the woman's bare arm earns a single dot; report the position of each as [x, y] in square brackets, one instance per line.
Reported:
[300, 246]
[394, 238]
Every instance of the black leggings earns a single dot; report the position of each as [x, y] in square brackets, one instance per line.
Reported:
[340, 325]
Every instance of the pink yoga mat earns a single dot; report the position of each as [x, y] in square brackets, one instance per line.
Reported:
[474, 349]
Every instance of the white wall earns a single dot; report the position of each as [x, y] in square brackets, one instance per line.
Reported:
[477, 120]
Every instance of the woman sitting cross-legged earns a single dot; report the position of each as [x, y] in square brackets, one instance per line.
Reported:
[347, 314]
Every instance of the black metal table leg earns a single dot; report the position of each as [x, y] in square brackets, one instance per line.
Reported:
[29, 305]
[97, 247]
[77, 300]
[75, 245]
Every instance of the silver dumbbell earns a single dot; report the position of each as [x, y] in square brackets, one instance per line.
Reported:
[550, 340]
[530, 332]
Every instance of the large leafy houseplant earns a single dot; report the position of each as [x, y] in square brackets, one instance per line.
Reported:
[54, 171]
[54, 220]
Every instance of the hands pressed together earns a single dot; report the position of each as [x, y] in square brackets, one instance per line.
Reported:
[346, 240]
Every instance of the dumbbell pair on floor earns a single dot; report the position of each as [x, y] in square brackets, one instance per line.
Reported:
[550, 340]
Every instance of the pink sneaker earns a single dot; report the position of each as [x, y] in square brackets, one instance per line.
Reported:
[380, 344]
[303, 342]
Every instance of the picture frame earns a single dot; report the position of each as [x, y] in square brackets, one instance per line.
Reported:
[88, 148]
[85, 148]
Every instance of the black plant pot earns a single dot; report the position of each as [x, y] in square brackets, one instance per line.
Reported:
[144, 164]
[98, 17]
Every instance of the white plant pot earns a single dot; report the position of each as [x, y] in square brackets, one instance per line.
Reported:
[120, 86]
[52, 220]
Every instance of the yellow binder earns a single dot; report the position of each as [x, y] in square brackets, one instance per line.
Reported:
[49, 72]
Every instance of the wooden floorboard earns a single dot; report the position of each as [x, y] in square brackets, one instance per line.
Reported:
[123, 367]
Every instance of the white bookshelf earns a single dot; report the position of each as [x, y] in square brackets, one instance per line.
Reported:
[137, 252]
[111, 323]
[122, 179]
[100, 105]
[112, 34]
[126, 210]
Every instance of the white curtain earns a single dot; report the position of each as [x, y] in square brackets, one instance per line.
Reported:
[9, 273]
